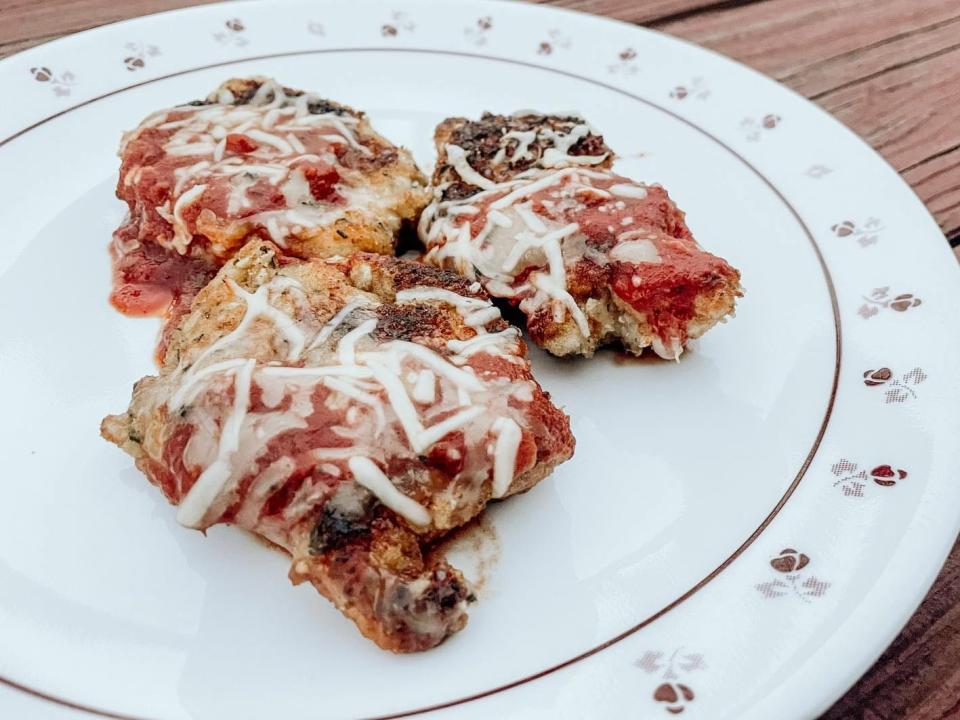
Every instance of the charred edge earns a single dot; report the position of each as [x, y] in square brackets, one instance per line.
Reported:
[481, 139]
[446, 590]
[405, 322]
[243, 91]
[406, 274]
[335, 530]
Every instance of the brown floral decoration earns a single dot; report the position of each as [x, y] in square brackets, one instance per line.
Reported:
[234, 33]
[674, 694]
[900, 388]
[881, 298]
[866, 234]
[696, 88]
[754, 129]
[399, 22]
[477, 33]
[139, 52]
[793, 578]
[59, 83]
[854, 480]
[626, 63]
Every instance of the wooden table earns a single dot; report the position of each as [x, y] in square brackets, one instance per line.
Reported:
[890, 70]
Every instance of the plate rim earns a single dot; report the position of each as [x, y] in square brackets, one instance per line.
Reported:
[746, 543]
[919, 590]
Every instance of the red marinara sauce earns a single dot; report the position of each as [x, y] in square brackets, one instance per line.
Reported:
[152, 279]
[149, 280]
[665, 291]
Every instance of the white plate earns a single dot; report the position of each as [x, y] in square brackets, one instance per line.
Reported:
[717, 547]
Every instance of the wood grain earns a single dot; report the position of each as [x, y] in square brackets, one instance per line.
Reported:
[28, 22]
[890, 70]
[648, 12]
[918, 676]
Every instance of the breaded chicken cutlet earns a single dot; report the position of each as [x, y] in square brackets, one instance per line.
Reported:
[529, 206]
[352, 411]
[254, 159]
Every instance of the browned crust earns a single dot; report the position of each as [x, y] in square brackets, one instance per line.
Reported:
[481, 139]
[243, 90]
[369, 578]
[391, 275]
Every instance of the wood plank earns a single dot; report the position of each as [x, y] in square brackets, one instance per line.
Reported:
[909, 115]
[18, 45]
[645, 12]
[26, 20]
[889, 70]
[919, 675]
[866, 63]
[784, 37]
[937, 182]
[29, 22]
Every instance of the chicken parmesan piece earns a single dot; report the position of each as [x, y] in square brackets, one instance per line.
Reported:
[253, 159]
[589, 257]
[351, 411]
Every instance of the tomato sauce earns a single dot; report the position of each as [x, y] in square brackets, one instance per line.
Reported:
[665, 291]
[150, 276]
[148, 280]
[178, 479]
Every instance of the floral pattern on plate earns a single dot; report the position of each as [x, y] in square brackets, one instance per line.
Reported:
[899, 388]
[696, 88]
[139, 52]
[60, 83]
[793, 579]
[853, 480]
[754, 129]
[232, 34]
[880, 298]
[626, 63]
[400, 22]
[866, 234]
[556, 40]
[478, 32]
[674, 694]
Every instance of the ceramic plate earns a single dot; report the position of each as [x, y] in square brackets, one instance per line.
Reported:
[739, 535]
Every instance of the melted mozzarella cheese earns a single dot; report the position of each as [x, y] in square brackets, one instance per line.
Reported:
[509, 435]
[207, 488]
[457, 157]
[366, 473]
[559, 155]
[277, 123]
[628, 190]
[333, 323]
[527, 234]
[181, 232]
[376, 387]
[635, 251]
[475, 312]
[522, 150]
[424, 387]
